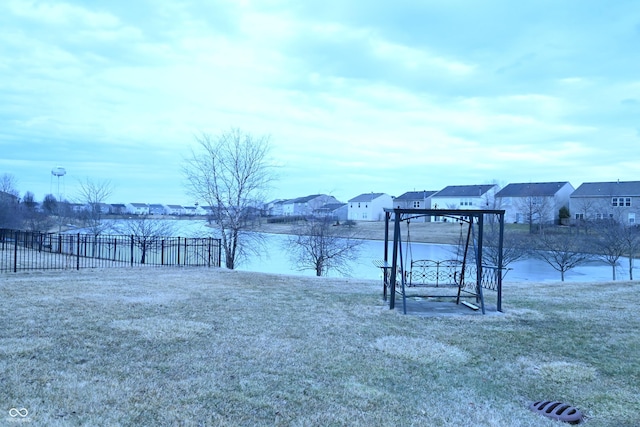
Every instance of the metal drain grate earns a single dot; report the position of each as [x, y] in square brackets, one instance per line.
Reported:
[557, 411]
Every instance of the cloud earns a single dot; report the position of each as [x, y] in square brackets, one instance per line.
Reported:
[389, 95]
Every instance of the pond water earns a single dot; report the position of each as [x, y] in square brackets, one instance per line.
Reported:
[275, 258]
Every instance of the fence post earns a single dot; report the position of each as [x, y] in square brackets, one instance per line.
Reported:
[186, 251]
[132, 250]
[178, 251]
[78, 254]
[15, 253]
[162, 252]
[219, 252]
[209, 256]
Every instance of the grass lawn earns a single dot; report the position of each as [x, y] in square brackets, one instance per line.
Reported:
[200, 347]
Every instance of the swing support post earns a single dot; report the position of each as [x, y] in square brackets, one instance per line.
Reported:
[394, 261]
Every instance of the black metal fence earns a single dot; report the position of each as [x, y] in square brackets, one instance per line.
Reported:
[25, 250]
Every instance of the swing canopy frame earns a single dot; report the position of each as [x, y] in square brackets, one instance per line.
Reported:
[474, 217]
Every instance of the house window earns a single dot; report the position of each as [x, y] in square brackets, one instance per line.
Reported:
[621, 201]
[416, 204]
[599, 216]
[579, 216]
[632, 218]
[358, 204]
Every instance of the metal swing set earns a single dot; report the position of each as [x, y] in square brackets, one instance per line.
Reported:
[463, 280]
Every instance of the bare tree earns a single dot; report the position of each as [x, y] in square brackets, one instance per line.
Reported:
[9, 184]
[231, 173]
[535, 210]
[147, 233]
[562, 252]
[631, 239]
[514, 247]
[33, 218]
[586, 211]
[50, 204]
[93, 194]
[609, 243]
[10, 215]
[318, 245]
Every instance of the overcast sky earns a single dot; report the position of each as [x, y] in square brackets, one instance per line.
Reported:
[356, 96]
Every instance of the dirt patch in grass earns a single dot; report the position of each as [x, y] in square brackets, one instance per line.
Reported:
[182, 346]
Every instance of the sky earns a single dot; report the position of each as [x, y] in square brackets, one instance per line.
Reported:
[355, 96]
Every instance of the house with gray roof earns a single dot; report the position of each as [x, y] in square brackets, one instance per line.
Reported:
[617, 200]
[334, 211]
[305, 206]
[157, 209]
[464, 197]
[534, 202]
[369, 206]
[174, 209]
[415, 200]
[117, 209]
[274, 207]
[138, 208]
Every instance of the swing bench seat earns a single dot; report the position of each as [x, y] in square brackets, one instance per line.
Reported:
[429, 273]
[432, 279]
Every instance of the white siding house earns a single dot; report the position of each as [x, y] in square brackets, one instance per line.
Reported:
[174, 209]
[464, 197]
[369, 206]
[274, 207]
[138, 208]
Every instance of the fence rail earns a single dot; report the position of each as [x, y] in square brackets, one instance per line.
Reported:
[25, 250]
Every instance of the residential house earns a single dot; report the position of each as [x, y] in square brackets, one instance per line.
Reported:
[78, 207]
[117, 209]
[174, 209]
[274, 207]
[334, 211]
[534, 202]
[190, 210]
[156, 209]
[206, 211]
[304, 206]
[138, 208]
[619, 201]
[369, 206]
[464, 197]
[415, 200]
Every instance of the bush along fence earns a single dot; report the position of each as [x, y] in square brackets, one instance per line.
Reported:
[26, 250]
